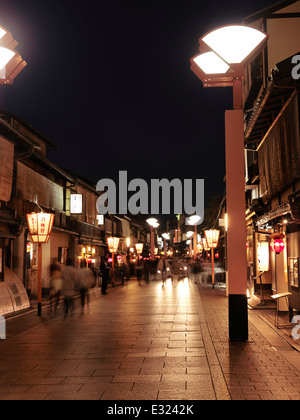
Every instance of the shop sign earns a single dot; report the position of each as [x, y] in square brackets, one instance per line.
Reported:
[263, 256]
[76, 204]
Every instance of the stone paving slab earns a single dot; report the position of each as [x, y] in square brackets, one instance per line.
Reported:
[146, 343]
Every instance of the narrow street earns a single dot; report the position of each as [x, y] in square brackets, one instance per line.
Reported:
[146, 342]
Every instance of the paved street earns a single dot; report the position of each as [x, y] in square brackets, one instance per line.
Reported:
[146, 343]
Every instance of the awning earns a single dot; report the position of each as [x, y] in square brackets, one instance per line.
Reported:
[279, 211]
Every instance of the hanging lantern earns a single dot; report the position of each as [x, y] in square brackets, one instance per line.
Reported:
[40, 226]
[113, 244]
[277, 242]
[217, 255]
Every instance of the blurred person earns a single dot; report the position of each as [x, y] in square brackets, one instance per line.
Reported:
[84, 281]
[176, 271]
[69, 280]
[105, 274]
[139, 271]
[55, 284]
[123, 269]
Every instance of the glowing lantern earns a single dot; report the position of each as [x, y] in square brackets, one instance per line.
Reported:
[113, 244]
[277, 242]
[212, 238]
[40, 226]
[139, 248]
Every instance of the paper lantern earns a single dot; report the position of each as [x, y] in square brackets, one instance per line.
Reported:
[113, 244]
[277, 242]
[139, 248]
[212, 238]
[40, 226]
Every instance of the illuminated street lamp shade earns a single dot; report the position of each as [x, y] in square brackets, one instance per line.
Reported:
[277, 242]
[234, 43]
[212, 238]
[210, 63]
[224, 52]
[152, 222]
[11, 63]
[113, 244]
[40, 226]
[193, 220]
[5, 56]
[139, 248]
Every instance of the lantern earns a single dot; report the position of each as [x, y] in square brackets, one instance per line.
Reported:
[277, 242]
[199, 248]
[40, 226]
[113, 244]
[139, 248]
[212, 238]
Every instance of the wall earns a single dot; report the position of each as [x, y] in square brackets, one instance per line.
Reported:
[32, 185]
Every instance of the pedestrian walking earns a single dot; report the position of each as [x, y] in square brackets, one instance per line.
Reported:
[105, 274]
[123, 268]
[84, 280]
[175, 270]
[139, 271]
[55, 284]
[68, 275]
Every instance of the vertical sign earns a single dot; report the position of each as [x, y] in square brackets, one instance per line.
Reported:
[76, 204]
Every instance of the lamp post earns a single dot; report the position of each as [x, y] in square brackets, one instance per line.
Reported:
[11, 63]
[224, 52]
[212, 239]
[113, 245]
[40, 227]
[194, 220]
[153, 224]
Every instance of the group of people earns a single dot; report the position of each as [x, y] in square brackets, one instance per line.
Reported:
[66, 282]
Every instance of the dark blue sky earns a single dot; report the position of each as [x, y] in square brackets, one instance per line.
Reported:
[110, 82]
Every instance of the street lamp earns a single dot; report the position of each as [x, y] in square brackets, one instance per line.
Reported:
[212, 239]
[194, 220]
[113, 245]
[224, 52]
[153, 224]
[11, 63]
[40, 228]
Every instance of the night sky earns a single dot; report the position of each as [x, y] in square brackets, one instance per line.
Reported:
[110, 83]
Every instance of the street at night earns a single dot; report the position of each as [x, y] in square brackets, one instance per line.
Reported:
[147, 342]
